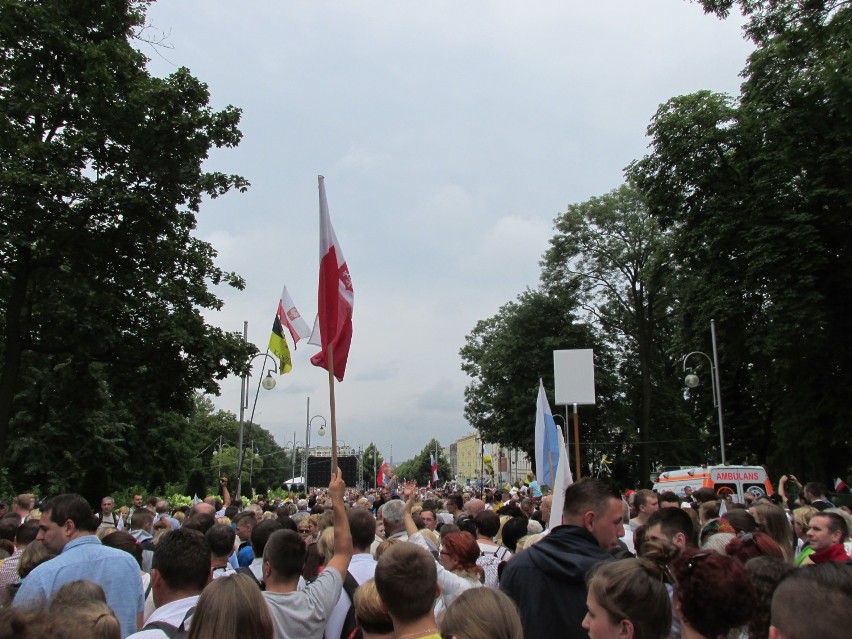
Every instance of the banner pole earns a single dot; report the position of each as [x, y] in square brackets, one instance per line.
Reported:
[333, 411]
[577, 442]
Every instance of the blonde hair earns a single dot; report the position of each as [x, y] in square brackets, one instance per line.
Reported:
[92, 618]
[372, 618]
[75, 593]
[528, 540]
[34, 554]
[718, 542]
[102, 533]
[385, 545]
[432, 536]
[230, 608]
[774, 522]
[482, 613]
[325, 544]
[802, 515]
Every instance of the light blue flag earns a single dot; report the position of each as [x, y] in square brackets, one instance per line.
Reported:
[546, 441]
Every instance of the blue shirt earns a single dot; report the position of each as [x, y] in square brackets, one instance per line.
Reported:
[535, 489]
[114, 570]
[245, 556]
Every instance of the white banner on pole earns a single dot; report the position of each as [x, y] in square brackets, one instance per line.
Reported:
[574, 376]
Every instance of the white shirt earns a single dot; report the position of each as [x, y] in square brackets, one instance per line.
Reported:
[172, 613]
[362, 567]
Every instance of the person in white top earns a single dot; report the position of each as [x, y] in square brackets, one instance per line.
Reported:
[180, 571]
[362, 567]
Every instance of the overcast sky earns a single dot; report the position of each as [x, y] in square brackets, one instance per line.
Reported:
[450, 134]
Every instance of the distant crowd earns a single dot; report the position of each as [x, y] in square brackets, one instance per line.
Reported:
[410, 562]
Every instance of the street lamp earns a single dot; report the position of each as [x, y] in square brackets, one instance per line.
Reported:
[255, 454]
[217, 453]
[691, 380]
[320, 432]
[293, 459]
[268, 383]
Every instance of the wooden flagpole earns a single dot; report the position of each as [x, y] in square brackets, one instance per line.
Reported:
[333, 411]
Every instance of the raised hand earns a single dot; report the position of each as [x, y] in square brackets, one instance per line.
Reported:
[337, 487]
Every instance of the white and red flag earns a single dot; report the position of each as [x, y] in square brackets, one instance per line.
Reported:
[290, 317]
[434, 468]
[381, 478]
[333, 325]
[287, 316]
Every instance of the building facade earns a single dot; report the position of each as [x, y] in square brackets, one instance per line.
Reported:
[499, 466]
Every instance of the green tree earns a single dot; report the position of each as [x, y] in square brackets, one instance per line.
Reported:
[506, 355]
[616, 255]
[757, 193]
[373, 460]
[101, 280]
[419, 468]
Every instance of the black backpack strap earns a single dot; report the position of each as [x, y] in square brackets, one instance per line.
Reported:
[171, 631]
[245, 570]
[350, 585]
[350, 629]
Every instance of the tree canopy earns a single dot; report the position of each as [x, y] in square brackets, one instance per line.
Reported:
[758, 193]
[419, 468]
[740, 213]
[102, 282]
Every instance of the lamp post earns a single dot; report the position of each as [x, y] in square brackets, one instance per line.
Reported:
[268, 383]
[294, 443]
[691, 380]
[320, 432]
[218, 449]
[255, 454]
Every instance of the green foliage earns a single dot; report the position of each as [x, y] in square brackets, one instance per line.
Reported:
[506, 355]
[103, 285]
[197, 485]
[419, 468]
[616, 254]
[758, 195]
[373, 460]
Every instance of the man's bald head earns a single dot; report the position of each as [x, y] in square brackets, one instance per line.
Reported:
[204, 508]
[474, 507]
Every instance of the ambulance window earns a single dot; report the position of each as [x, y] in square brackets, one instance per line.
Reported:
[723, 490]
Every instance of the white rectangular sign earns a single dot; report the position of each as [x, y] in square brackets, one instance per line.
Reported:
[574, 376]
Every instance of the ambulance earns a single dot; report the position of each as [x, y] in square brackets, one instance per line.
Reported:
[735, 481]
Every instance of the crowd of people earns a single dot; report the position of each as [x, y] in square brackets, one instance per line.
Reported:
[409, 562]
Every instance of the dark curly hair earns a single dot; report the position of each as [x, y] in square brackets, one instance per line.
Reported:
[714, 592]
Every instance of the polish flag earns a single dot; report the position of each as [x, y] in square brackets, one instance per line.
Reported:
[333, 325]
[291, 319]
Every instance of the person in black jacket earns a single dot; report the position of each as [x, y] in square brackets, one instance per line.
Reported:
[548, 579]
